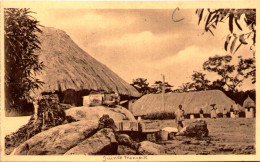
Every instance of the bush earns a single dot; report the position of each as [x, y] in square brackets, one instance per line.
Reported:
[159, 116]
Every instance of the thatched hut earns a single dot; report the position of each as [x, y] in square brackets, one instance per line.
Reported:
[73, 72]
[249, 106]
[191, 102]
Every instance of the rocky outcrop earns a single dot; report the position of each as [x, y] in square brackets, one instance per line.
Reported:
[86, 138]
[118, 114]
[198, 128]
[57, 140]
[102, 142]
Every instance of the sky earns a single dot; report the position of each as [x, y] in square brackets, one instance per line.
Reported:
[145, 42]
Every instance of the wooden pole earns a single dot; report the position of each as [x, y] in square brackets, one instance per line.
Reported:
[163, 92]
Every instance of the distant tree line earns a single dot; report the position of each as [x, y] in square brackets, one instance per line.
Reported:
[231, 77]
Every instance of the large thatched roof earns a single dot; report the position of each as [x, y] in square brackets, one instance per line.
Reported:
[69, 67]
[191, 102]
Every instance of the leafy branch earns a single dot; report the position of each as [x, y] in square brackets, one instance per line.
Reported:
[212, 17]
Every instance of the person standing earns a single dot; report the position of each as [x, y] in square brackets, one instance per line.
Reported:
[224, 113]
[236, 110]
[201, 113]
[232, 112]
[179, 117]
[213, 111]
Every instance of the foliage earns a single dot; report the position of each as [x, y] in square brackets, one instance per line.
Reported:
[159, 116]
[21, 62]
[50, 114]
[199, 81]
[185, 87]
[141, 85]
[240, 96]
[212, 17]
[247, 68]
[231, 75]
[217, 84]
[157, 87]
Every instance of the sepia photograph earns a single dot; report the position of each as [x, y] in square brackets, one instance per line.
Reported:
[128, 81]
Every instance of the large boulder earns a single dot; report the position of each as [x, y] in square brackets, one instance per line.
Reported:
[57, 140]
[149, 148]
[103, 142]
[198, 128]
[118, 114]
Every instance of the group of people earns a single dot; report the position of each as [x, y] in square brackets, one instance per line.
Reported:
[179, 114]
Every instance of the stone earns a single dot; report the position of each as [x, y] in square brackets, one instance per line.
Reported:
[106, 122]
[149, 148]
[125, 150]
[198, 128]
[124, 139]
[57, 140]
[101, 143]
[118, 114]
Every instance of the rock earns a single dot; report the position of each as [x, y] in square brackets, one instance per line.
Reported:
[149, 148]
[124, 139]
[103, 142]
[125, 150]
[57, 140]
[118, 114]
[198, 128]
[70, 119]
[106, 122]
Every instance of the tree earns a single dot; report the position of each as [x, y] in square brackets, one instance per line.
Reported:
[213, 17]
[158, 85]
[199, 81]
[141, 85]
[244, 37]
[247, 68]
[21, 62]
[217, 84]
[231, 75]
[185, 87]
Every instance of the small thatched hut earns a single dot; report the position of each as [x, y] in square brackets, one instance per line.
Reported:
[74, 72]
[191, 102]
[249, 106]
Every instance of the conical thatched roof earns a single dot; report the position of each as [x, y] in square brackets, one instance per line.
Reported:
[249, 103]
[191, 102]
[69, 67]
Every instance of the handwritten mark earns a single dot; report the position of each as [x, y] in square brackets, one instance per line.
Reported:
[173, 15]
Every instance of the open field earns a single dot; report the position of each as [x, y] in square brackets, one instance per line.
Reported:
[226, 136]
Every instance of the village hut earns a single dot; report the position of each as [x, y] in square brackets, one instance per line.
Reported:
[249, 106]
[190, 101]
[73, 72]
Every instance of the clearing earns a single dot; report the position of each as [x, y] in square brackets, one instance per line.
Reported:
[226, 136]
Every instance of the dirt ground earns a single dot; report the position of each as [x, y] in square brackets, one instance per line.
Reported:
[226, 136]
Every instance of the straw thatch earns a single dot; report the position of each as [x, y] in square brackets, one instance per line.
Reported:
[249, 103]
[191, 102]
[69, 67]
